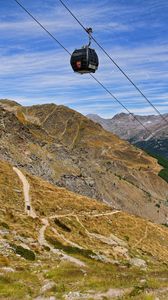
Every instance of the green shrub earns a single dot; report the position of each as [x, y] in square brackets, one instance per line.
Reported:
[5, 225]
[165, 224]
[62, 225]
[69, 249]
[26, 253]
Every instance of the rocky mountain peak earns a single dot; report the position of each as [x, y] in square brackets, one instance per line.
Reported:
[121, 116]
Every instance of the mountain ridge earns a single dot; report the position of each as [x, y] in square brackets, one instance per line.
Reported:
[127, 128]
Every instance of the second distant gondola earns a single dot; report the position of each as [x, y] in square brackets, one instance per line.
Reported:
[85, 60]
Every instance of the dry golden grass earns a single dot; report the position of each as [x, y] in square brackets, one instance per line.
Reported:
[141, 235]
[48, 200]
[85, 228]
[12, 204]
[11, 194]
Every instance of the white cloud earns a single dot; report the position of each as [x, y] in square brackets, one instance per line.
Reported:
[30, 69]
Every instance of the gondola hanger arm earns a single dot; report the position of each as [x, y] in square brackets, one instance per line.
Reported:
[89, 30]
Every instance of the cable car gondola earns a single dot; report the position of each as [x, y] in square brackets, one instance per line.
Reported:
[85, 60]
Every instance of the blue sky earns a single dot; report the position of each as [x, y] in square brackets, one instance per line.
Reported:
[35, 70]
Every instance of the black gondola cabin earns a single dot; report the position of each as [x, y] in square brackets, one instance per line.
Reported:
[84, 60]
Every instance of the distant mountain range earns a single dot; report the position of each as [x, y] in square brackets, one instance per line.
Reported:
[126, 127]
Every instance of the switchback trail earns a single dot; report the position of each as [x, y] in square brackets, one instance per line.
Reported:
[42, 241]
[85, 214]
[45, 221]
[41, 238]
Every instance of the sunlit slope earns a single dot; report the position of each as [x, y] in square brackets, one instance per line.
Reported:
[86, 247]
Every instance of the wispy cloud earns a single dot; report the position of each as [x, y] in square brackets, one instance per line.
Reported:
[36, 70]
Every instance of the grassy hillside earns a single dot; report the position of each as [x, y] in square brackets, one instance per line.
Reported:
[88, 250]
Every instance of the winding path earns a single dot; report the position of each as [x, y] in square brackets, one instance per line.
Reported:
[45, 221]
[86, 214]
[26, 190]
[42, 241]
[30, 212]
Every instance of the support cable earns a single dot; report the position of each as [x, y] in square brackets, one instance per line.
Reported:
[101, 84]
[114, 62]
